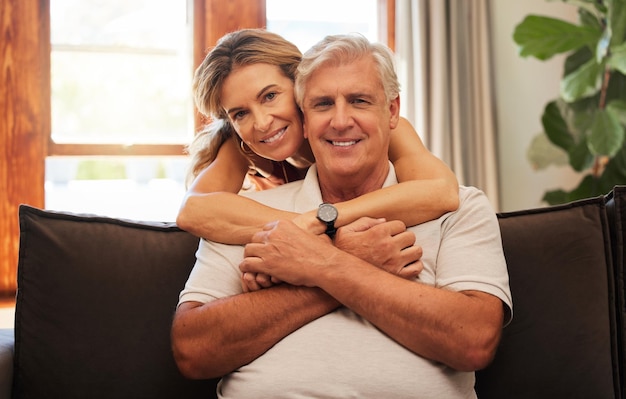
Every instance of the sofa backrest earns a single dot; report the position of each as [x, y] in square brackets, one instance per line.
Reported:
[563, 340]
[96, 296]
[94, 307]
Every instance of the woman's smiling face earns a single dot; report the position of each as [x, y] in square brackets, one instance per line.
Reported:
[259, 101]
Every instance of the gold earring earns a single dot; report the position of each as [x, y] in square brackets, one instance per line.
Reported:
[248, 152]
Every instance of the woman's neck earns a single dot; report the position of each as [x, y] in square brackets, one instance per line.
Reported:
[303, 158]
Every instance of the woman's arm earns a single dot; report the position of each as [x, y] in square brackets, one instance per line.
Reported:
[427, 188]
[212, 208]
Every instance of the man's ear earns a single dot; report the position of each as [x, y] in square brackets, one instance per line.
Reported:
[306, 135]
[394, 112]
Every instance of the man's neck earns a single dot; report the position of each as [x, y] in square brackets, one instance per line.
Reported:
[343, 188]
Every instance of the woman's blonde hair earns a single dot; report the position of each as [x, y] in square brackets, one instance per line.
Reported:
[235, 49]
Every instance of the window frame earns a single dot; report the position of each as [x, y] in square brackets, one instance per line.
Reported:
[25, 131]
[211, 20]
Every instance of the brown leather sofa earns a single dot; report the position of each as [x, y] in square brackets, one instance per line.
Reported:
[96, 296]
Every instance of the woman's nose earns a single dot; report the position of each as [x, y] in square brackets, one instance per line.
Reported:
[262, 121]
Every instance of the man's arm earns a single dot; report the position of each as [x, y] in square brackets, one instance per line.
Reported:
[212, 339]
[217, 337]
[459, 329]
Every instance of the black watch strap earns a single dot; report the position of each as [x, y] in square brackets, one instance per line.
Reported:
[327, 214]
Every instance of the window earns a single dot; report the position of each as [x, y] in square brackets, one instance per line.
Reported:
[305, 23]
[122, 74]
[121, 94]
[120, 80]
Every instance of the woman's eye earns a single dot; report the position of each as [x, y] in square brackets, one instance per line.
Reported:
[270, 96]
[239, 115]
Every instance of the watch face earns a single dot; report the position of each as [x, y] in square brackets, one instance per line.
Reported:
[327, 213]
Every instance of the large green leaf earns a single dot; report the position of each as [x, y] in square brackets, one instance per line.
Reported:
[580, 158]
[542, 37]
[618, 58]
[591, 6]
[588, 16]
[555, 127]
[617, 20]
[542, 153]
[588, 187]
[577, 59]
[617, 87]
[615, 171]
[607, 134]
[583, 82]
[580, 118]
[618, 108]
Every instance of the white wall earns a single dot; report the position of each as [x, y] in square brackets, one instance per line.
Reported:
[523, 87]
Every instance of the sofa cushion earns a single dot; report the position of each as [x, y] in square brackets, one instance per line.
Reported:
[562, 342]
[94, 307]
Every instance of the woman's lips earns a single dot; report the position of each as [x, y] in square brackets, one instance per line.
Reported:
[275, 137]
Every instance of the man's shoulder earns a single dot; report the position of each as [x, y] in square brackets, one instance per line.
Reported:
[470, 192]
[472, 199]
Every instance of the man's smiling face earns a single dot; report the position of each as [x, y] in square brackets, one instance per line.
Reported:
[348, 120]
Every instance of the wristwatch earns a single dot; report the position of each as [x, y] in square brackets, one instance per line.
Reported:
[327, 214]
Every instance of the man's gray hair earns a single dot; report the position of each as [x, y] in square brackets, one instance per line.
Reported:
[335, 50]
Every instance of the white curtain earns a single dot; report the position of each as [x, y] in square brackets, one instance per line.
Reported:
[444, 66]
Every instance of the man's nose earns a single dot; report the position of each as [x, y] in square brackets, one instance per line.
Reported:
[341, 118]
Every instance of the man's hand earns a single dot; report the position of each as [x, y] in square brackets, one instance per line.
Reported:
[282, 248]
[387, 245]
[257, 281]
[287, 253]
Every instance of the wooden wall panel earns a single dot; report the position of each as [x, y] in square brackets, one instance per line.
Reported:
[214, 18]
[24, 120]
[223, 16]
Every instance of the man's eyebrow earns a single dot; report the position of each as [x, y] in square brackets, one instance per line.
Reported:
[314, 99]
[360, 95]
[258, 94]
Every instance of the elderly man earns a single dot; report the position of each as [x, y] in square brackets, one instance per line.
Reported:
[346, 321]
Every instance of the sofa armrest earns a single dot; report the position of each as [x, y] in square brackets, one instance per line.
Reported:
[7, 341]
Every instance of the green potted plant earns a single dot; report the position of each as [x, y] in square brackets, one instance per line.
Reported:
[585, 126]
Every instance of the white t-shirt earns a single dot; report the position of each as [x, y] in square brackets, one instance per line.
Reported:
[341, 354]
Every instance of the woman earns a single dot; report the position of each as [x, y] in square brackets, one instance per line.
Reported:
[245, 85]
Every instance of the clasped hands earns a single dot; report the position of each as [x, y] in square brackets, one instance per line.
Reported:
[283, 252]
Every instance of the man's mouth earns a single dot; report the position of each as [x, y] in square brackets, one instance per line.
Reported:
[275, 137]
[344, 143]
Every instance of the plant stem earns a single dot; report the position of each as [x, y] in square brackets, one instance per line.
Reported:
[605, 86]
[599, 164]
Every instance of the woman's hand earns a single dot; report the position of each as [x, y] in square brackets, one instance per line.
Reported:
[308, 221]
